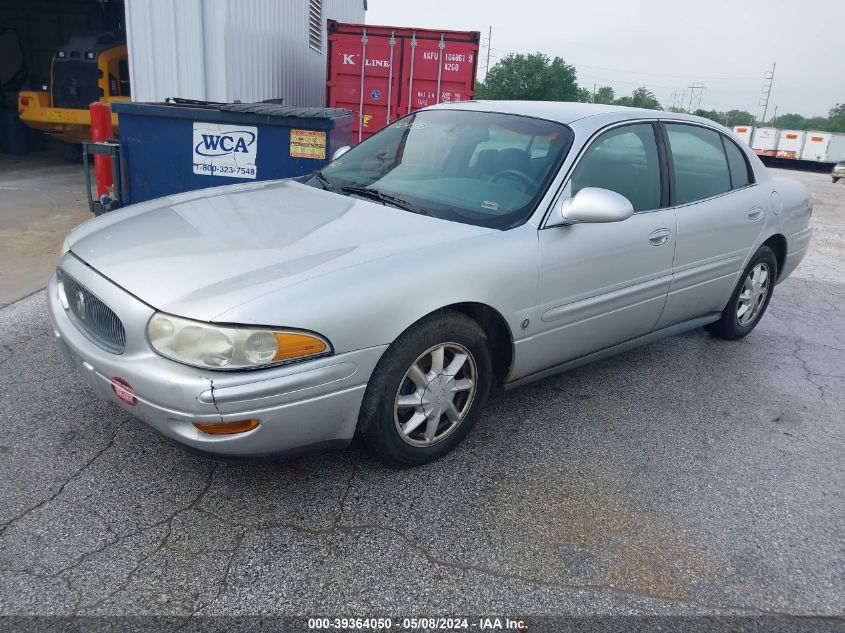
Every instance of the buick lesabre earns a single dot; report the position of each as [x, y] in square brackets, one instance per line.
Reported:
[464, 247]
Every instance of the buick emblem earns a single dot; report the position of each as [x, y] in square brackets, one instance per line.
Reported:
[80, 304]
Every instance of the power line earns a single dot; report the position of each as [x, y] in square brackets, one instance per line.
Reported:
[641, 72]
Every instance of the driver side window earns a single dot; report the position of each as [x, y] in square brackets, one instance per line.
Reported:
[624, 160]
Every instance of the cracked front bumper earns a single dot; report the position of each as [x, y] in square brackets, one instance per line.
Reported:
[299, 406]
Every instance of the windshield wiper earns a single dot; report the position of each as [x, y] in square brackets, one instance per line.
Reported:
[375, 194]
[327, 185]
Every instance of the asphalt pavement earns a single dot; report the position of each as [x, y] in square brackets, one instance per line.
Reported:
[691, 476]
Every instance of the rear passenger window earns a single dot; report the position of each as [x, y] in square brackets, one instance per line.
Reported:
[624, 160]
[701, 169]
[737, 164]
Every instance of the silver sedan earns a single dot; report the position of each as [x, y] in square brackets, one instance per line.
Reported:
[464, 247]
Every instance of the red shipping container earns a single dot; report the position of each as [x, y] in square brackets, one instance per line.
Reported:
[384, 72]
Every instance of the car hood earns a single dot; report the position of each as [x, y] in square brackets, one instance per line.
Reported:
[202, 253]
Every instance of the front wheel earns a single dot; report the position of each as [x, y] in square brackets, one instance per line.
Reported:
[427, 390]
[750, 298]
[834, 179]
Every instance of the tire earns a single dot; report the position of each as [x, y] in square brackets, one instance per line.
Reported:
[382, 413]
[734, 325]
[834, 179]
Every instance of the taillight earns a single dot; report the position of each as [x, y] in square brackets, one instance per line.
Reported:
[25, 102]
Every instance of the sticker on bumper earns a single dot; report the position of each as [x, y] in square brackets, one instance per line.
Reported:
[124, 391]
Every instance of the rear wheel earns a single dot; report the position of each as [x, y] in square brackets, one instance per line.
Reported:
[427, 390]
[750, 298]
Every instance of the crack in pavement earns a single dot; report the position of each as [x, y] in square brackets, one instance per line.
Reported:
[808, 373]
[224, 580]
[11, 353]
[339, 518]
[161, 545]
[74, 476]
[437, 561]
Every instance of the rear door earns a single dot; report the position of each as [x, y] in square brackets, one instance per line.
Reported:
[719, 214]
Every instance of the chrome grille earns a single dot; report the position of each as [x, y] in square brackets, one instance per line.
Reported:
[93, 316]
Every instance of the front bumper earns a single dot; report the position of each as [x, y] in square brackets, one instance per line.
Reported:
[303, 405]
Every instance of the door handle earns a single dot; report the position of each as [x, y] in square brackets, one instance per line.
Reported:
[659, 237]
[755, 214]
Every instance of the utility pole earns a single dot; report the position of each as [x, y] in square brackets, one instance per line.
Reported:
[594, 93]
[775, 115]
[489, 46]
[767, 91]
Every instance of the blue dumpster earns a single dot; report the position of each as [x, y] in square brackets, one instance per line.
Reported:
[169, 148]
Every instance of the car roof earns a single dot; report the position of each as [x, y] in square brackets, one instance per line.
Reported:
[569, 112]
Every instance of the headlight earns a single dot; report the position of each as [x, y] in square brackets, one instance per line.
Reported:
[230, 348]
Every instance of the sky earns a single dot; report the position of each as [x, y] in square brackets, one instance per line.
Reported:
[666, 46]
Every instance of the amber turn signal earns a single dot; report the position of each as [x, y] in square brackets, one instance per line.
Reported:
[227, 428]
[295, 345]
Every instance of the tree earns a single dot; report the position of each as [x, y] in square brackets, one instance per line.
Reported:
[837, 118]
[790, 121]
[729, 118]
[713, 115]
[739, 117]
[584, 95]
[533, 76]
[642, 97]
[605, 94]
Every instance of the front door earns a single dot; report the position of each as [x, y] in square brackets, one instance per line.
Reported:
[602, 284]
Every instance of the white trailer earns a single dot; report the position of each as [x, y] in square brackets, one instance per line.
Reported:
[765, 141]
[744, 132]
[816, 146]
[791, 143]
[836, 149]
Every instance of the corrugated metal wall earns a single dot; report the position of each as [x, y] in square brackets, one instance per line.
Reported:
[223, 50]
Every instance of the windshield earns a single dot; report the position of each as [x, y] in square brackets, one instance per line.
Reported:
[480, 168]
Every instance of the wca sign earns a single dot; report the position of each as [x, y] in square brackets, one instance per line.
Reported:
[222, 144]
[225, 150]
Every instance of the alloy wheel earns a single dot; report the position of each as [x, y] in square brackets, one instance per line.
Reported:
[753, 295]
[436, 394]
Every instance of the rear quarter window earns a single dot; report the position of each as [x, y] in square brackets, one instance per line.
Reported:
[738, 164]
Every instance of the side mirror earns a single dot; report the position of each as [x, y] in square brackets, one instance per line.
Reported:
[593, 205]
[340, 151]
